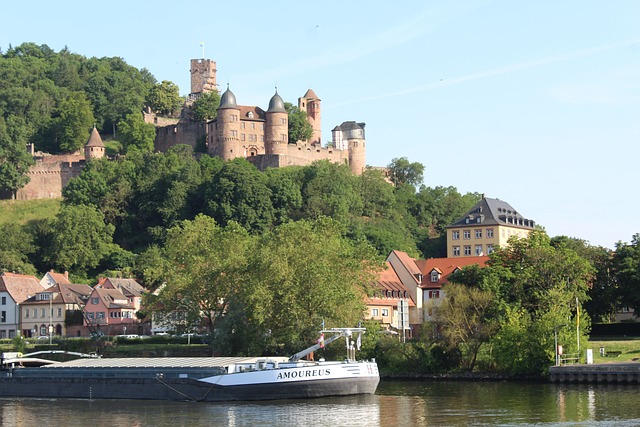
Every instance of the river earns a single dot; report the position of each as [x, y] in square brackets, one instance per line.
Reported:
[397, 403]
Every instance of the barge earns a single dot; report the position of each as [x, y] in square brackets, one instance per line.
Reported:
[208, 379]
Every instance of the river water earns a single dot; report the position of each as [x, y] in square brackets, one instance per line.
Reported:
[397, 403]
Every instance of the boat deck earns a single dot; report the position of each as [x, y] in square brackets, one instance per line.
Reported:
[159, 362]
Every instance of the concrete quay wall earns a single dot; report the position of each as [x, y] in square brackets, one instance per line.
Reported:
[600, 373]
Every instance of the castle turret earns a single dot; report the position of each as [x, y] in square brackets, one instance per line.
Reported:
[228, 127]
[310, 103]
[352, 135]
[94, 148]
[276, 133]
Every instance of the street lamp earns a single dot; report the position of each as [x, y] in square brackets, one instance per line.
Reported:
[555, 348]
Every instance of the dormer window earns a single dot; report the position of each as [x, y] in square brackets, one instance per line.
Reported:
[250, 114]
[435, 276]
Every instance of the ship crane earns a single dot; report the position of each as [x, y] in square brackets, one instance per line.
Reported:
[339, 333]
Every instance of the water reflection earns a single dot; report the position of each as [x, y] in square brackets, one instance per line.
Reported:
[415, 403]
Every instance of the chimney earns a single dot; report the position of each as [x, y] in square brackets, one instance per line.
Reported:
[66, 275]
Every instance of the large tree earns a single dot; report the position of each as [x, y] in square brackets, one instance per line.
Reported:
[206, 106]
[165, 98]
[14, 159]
[79, 239]
[73, 122]
[205, 267]
[402, 171]
[626, 271]
[299, 127]
[135, 134]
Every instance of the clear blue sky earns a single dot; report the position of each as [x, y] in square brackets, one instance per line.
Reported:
[535, 103]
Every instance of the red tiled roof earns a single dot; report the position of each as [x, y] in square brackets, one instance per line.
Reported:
[59, 277]
[445, 266]
[388, 280]
[407, 261]
[19, 286]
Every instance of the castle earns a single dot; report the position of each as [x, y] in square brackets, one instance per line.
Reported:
[51, 173]
[260, 136]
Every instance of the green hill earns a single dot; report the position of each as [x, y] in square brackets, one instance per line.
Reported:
[23, 211]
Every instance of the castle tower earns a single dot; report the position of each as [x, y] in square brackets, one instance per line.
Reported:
[228, 127]
[276, 132]
[94, 148]
[203, 76]
[310, 103]
[353, 134]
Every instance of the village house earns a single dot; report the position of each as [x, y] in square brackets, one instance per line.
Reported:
[435, 274]
[112, 307]
[57, 310]
[385, 304]
[14, 290]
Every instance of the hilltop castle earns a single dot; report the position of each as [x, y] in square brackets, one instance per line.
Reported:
[260, 136]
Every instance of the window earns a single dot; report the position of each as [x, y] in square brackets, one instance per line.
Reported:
[90, 315]
[35, 313]
[253, 125]
[26, 313]
[490, 249]
[242, 137]
[467, 234]
[385, 311]
[59, 312]
[250, 114]
[43, 330]
[4, 300]
[374, 312]
[3, 317]
[242, 125]
[42, 312]
[283, 121]
[3, 334]
[234, 133]
[467, 250]
[478, 234]
[434, 276]
[434, 294]
[478, 250]
[456, 251]
[95, 301]
[489, 233]
[455, 235]
[100, 315]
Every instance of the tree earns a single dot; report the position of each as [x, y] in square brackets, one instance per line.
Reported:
[14, 159]
[74, 121]
[465, 321]
[16, 245]
[626, 272]
[402, 171]
[299, 127]
[206, 106]
[301, 274]
[205, 267]
[165, 98]
[239, 193]
[135, 134]
[79, 239]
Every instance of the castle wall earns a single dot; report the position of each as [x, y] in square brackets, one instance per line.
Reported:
[182, 133]
[49, 176]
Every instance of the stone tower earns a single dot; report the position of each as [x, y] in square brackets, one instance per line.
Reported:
[228, 127]
[351, 135]
[94, 148]
[276, 132]
[203, 76]
[310, 103]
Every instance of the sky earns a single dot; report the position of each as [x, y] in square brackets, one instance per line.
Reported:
[536, 103]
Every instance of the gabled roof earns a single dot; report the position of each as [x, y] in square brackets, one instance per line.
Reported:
[111, 298]
[128, 287]
[493, 212]
[408, 263]
[56, 277]
[258, 113]
[445, 266]
[19, 286]
[63, 293]
[388, 280]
